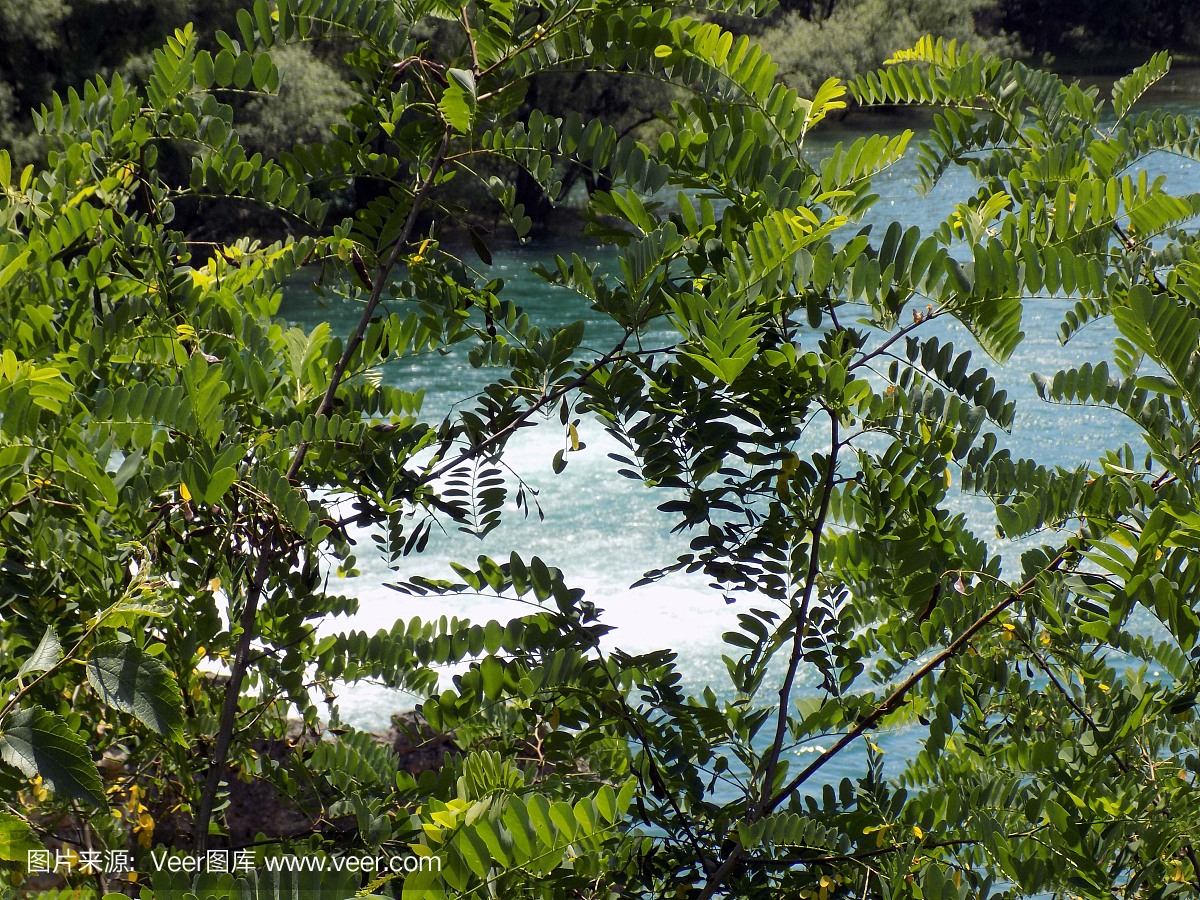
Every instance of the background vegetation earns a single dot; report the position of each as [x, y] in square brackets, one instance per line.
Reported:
[52, 45]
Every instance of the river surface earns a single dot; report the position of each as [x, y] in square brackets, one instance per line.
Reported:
[604, 530]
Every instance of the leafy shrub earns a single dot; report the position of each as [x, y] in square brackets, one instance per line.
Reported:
[179, 467]
[857, 37]
[311, 98]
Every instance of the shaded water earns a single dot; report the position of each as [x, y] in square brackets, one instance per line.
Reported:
[604, 530]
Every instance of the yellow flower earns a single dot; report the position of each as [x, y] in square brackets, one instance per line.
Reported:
[144, 829]
[420, 257]
[918, 832]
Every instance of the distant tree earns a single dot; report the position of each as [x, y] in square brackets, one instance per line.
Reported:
[1088, 27]
[810, 40]
[53, 45]
[814, 41]
[313, 96]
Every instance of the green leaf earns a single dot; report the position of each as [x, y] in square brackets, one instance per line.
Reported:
[1159, 384]
[625, 795]
[1127, 90]
[218, 483]
[205, 70]
[493, 636]
[262, 18]
[223, 68]
[492, 672]
[464, 79]
[45, 657]
[17, 839]
[128, 679]
[243, 69]
[261, 70]
[18, 264]
[246, 26]
[540, 574]
[458, 100]
[480, 248]
[41, 744]
[606, 802]
[145, 602]
[474, 851]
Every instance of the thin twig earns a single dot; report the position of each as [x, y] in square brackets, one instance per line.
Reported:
[851, 857]
[543, 401]
[1079, 711]
[785, 692]
[801, 623]
[897, 696]
[470, 39]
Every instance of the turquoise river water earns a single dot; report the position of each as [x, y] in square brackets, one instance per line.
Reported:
[604, 530]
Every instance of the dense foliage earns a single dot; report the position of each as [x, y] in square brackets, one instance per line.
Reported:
[179, 468]
[815, 41]
[1088, 28]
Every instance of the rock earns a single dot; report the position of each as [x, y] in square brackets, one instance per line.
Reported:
[418, 747]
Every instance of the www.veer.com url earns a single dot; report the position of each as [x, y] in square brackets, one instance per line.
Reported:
[293, 863]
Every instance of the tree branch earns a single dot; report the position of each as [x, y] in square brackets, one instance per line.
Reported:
[890, 704]
[894, 701]
[814, 567]
[785, 691]
[543, 401]
[249, 617]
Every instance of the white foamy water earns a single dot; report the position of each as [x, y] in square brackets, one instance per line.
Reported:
[604, 531]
